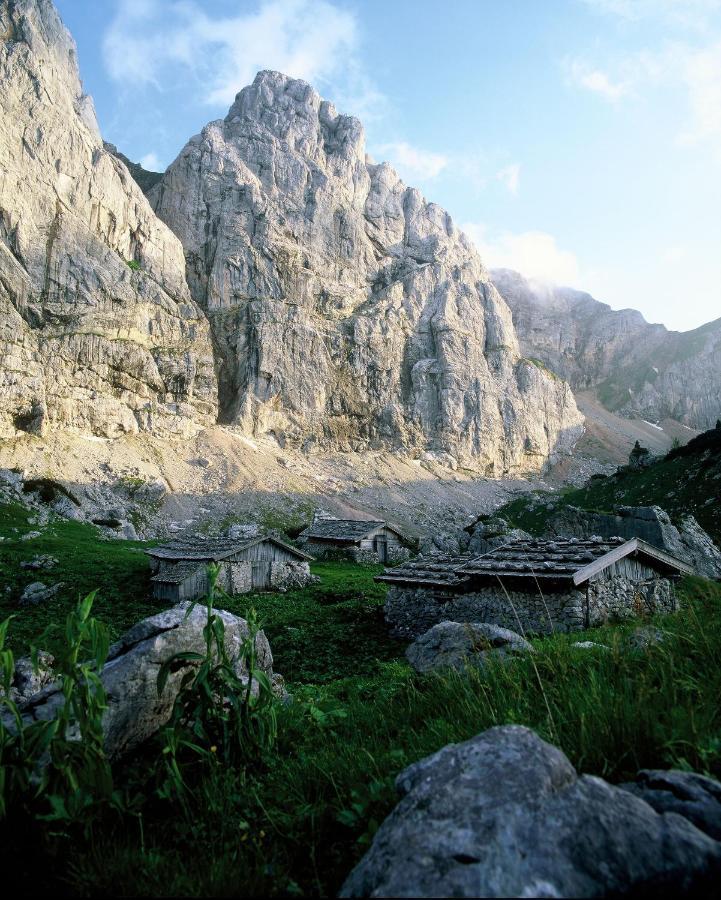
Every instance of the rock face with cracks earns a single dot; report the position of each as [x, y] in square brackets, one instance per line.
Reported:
[348, 312]
[98, 331]
[506, 815]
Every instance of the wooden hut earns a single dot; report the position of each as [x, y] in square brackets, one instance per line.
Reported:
[363, 540]
[262, 563]
[537, 586]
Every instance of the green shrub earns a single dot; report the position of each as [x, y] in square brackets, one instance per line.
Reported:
[133, 264]
[57, 769]
[217, 717]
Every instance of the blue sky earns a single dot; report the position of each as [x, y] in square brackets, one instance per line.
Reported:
[576, 140]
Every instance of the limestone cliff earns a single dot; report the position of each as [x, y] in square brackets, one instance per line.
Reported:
[348, 312]
[635, 368]
[97, 328]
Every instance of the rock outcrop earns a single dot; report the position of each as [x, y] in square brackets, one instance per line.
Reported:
[97, 328]
[635, 368]
[348, 312]
[506, 815]
[685, 540]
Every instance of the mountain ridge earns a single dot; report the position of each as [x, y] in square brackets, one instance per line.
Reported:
[634, 367]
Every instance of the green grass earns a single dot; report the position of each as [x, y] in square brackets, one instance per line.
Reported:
[298, 823]
[118, 569]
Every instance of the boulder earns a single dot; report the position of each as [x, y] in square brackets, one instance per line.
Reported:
[37, 592]
[43, 561]
[689, 794]
[444, 542]
[135, 711]
[487, 534]
[644, 637]
[505, 815]
[456, 645]
[28, 680]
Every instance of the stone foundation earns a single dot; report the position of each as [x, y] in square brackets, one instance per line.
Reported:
[410, 612]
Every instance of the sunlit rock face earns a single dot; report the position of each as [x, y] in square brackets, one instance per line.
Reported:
[348, 312]
[86, 340]
[636, 368]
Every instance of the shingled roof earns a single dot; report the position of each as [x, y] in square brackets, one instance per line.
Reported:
[214, 549]
[178, 573]
[548, 560]
[346, 530]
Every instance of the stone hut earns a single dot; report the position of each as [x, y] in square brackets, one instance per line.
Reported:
[534, 586]
[261, 563]
[362, 540]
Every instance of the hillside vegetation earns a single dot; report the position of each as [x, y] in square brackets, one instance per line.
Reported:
[686, 481]
[297, 820]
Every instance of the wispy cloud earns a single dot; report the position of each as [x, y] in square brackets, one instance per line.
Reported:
[413, 162]
[534, 254]
[310, 39]
[694, 14]
[510, 176]
[583, 74]
[700, 71]
[416, 164]
[151, 162]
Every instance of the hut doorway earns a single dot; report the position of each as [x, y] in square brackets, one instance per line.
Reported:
[380, 545]
[261, 575]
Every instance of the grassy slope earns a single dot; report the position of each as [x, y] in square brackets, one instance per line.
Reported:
[359, 716]
[680, 483]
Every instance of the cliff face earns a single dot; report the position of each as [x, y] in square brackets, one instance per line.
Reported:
[346, 310]
[86, 340]
[635, 368]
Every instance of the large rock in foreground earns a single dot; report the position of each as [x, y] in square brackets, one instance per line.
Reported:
[506, 815]
[348, 312]
[135, 711]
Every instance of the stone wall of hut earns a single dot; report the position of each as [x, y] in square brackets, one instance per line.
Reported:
[616, 598]
[364, 554]
[285, 576]
[410, 611]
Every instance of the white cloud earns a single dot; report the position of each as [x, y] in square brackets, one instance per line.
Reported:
[151, 162]
[413, 162]
[674, 254]
[309, 39]
[534, 254]
[695, 14]
[510, 176]
[700, 71]
[582, 74]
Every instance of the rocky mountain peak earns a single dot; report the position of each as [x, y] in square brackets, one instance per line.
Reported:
[347, 311]
[293, 112]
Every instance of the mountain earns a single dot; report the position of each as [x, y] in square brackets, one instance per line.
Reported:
[348, 312]
[314, 298]
[634, 368]
[98, 330]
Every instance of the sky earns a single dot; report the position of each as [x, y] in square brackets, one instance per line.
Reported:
[578, 141]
